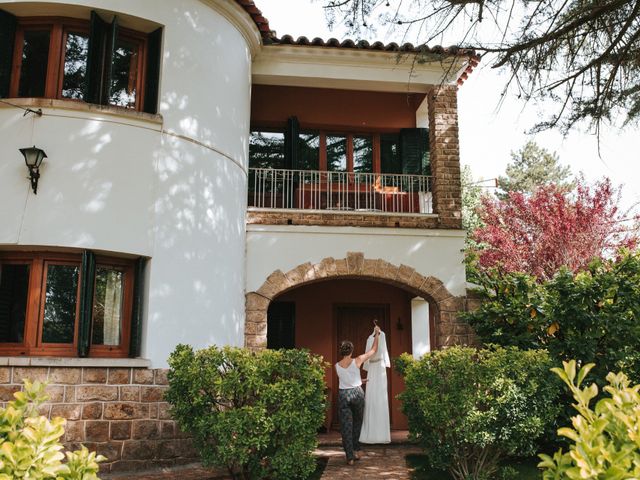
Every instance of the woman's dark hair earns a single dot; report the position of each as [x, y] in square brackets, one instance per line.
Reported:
[346, 348]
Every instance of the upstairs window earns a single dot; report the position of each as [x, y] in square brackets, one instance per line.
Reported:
[266, 149]
[402, 152]
[94, 61]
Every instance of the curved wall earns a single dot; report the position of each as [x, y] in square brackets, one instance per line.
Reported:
[173, 190]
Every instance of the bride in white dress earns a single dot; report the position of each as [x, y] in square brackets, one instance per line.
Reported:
[375, 426]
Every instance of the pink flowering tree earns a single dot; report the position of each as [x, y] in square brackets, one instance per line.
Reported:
[540, 232]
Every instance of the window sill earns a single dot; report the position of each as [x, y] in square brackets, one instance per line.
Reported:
[73, 362]
[80, 106]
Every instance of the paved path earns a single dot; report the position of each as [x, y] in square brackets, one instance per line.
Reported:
[378, 462]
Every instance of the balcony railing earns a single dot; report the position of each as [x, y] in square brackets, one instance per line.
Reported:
[341, 191]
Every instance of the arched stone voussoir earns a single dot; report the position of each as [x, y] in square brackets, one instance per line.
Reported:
[354, 266]
[355, 262]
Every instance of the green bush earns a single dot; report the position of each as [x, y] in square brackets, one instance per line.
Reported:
[470, 408]
[605, 440]
[30, 443]
[590, 316]
[255, 414]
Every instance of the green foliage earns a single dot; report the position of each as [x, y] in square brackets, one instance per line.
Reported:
[30, 443]
[469, 408]
[256, 414]
[531, 167]
[471, 200]
[605, 442]
[471, 195]
[591, 316]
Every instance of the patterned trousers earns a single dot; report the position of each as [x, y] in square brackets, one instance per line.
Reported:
[350, 412]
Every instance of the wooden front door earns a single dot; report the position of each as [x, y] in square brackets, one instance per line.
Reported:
[355, 323]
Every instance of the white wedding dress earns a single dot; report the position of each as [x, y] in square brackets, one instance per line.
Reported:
[375, 425]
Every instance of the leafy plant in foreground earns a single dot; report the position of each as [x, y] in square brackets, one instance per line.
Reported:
[605, 439]
[30, 443]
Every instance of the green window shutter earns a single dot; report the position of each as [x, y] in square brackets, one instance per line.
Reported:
[291, 143]
[110, 47]
[95, 58]
[154, 61]
[136, 314]
[414, 151]
[390, 161]
[7, 39]
[281, 323]
[88, 277]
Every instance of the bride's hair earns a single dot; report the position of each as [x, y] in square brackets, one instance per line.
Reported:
[346, 348]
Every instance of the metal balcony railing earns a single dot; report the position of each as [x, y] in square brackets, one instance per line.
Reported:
[341, 191]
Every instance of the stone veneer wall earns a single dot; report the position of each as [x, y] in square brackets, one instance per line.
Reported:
[445, 155]
[118, 412]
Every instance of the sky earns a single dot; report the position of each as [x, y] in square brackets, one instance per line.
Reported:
[487, 133]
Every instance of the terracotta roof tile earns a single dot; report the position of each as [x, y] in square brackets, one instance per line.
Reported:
[269, 38]
[364, 45]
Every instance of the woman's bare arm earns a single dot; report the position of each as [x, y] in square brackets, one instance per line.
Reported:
[374, 348]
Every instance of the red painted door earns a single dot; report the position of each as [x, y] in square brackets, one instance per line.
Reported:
[355, 323]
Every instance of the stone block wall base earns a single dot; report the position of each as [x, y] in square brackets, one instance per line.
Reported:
[118, 412]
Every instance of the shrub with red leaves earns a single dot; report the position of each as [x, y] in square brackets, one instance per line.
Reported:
[551, 228]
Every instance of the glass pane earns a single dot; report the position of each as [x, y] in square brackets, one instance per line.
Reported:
[266, 150]
[362, 154]
[35, 57]
[390, 153]
[14, 286]
[107, 306]
[76, 51]
[308, 151]
[60, 303]
[125, 74]
[336, 153]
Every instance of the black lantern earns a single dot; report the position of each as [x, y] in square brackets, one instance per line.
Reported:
[33, 157]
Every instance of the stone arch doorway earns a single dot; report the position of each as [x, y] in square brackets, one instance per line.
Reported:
[448, 329]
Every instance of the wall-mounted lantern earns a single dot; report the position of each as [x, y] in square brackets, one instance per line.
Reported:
[33, 157]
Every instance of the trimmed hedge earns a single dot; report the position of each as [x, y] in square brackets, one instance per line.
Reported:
[255, 414]
[470, 408]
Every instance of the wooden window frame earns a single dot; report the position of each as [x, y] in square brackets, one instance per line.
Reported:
[34, 315]
[121, 350]
[59, 28]
[79, 27]
[322, 144]
[55, 349]
[350, 135]
[140, 40]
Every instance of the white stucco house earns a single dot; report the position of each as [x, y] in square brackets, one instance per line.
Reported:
[209, 182]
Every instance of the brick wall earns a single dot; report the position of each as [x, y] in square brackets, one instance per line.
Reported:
[118, 412]
[280, 217]
[445, 154]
